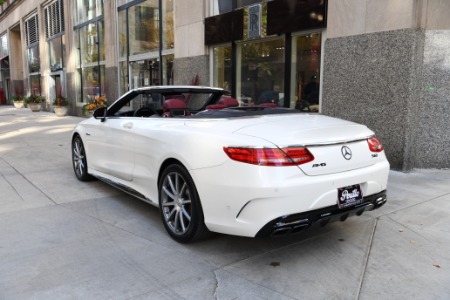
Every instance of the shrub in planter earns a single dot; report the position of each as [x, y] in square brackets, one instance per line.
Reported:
[34, 102]
[61, 106]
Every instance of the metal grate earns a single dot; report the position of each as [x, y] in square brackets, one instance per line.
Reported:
[54, 18]
[32, 30]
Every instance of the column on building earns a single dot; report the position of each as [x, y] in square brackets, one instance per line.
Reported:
[191, 56]
[53, 60]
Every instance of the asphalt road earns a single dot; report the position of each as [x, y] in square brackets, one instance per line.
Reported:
[64, 239]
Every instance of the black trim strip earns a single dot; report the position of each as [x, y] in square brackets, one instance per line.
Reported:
[96, 19]
[129, 4]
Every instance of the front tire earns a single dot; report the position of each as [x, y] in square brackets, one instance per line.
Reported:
[79, 160]
[179, 205]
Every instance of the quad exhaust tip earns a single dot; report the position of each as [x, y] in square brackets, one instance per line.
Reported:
[291, 227]
[380, 201]
[284, 227]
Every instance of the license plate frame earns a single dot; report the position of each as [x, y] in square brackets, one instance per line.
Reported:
[349, 196]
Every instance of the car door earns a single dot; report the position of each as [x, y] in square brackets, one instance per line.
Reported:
[111, 147]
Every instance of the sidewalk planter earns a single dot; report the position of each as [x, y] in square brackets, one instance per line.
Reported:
[19, 104]
[35, 107]
[61, 106]
[18, 101]
[61, 111]
[88, 113]
[34, 102]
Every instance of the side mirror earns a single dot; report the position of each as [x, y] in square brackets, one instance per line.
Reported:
[100, 113]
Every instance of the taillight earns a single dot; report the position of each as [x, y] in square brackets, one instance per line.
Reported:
[270, 156]
[375, 144]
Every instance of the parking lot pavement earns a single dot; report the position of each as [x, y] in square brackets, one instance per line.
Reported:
[64, 239]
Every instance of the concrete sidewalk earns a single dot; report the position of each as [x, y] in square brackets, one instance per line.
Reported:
[64, 239]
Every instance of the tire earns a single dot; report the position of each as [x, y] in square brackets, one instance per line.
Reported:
[179, 205]
[79, 160]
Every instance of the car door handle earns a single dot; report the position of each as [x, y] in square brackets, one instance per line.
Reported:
[128, 125]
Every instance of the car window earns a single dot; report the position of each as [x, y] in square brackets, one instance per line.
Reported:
[148, 101]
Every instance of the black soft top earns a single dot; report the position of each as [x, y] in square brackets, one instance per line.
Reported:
[243, 111]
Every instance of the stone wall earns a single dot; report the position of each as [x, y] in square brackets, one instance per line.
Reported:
[186, 69]
[374, 79]
[433, 125]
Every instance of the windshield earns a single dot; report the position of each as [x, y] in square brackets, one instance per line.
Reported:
[161, 100]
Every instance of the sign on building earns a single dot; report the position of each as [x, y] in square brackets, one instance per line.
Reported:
[254, 21]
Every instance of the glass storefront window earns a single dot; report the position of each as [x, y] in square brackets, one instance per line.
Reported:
[144, 73]
[123, 77]
[222, 67]
[144, 27]
[33, 59]
[141, 48]
[87, 10]
[35, 84]
[167, 66]
[90, 81]
[305, 72]
[168, 25]
[122, 32]
[56, 50]
[91, 43]
[4, 45]
[260, 75]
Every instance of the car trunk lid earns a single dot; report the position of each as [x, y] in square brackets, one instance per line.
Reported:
[337, 145]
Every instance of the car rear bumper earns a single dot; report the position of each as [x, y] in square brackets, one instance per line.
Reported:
[299, 222]
[242, 199]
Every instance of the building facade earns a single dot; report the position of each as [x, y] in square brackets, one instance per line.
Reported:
[383, 63]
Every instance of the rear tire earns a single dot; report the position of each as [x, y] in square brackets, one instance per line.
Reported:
[79, 160]
[179, 205]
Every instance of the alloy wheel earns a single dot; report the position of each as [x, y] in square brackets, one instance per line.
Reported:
[176, 203]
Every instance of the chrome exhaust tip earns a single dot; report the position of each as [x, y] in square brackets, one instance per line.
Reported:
[380, 201]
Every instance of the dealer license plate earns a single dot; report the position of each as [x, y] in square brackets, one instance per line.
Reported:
[349, 196]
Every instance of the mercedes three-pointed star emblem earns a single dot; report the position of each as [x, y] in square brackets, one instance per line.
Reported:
[346, 152]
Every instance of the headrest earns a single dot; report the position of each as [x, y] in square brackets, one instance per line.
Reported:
[181, 97]
[228, 101]
[174, 104]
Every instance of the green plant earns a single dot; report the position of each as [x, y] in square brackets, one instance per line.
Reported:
[17, 98]
[61, 101]
[34, 99]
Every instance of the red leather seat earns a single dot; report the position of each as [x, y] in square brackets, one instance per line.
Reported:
[228, 102]
[175, 107]
[268, 105]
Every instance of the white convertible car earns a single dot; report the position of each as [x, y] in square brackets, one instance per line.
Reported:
[211, 165]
